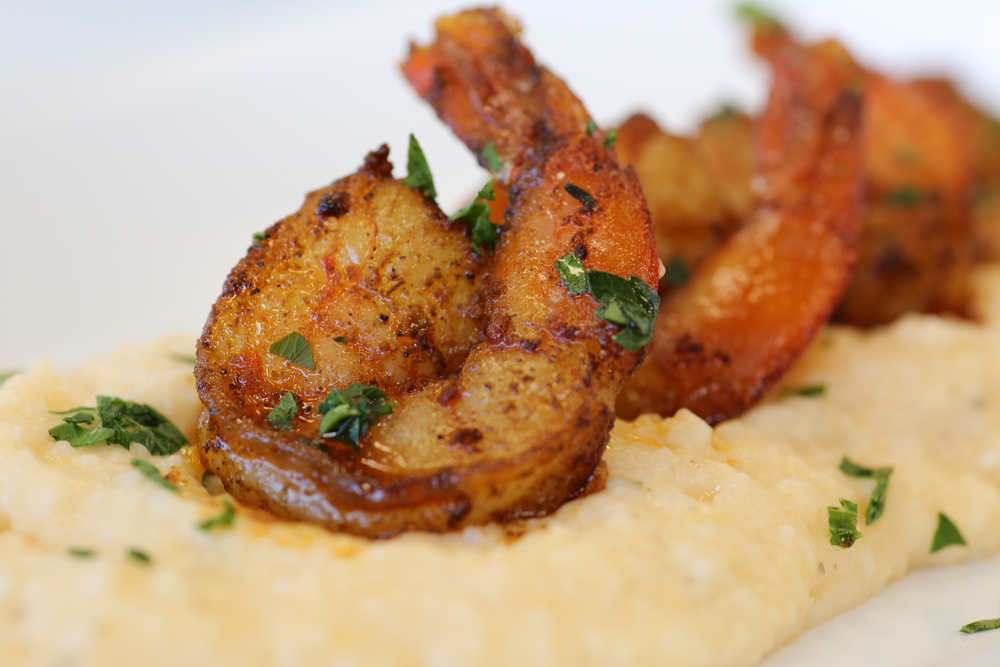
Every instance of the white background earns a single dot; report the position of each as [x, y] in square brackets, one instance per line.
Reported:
[141, 144]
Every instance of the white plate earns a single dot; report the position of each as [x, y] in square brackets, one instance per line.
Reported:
[141, 144]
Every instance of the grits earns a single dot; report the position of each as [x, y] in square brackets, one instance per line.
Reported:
[700, 532]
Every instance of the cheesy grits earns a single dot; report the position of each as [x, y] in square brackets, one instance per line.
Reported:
[707, 547]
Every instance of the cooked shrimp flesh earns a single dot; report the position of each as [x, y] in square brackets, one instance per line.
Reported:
[726, 335]
[503, 382]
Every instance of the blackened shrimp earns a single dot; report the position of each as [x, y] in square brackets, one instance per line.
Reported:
[485, 388]
[749, 310]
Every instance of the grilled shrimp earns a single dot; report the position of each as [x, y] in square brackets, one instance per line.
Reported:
[487, 388]
[750, 309]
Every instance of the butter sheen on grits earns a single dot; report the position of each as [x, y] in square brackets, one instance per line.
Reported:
[698, 530]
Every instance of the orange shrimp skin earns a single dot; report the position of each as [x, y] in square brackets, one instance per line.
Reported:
[723, 338]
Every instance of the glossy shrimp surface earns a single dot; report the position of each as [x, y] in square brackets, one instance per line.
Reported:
[748, 311]
[503, 382]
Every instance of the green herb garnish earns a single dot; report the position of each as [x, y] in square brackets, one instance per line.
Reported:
[484, 231]
[122, 422]
[296, 349]
[591, 127]
[676, 272]
[844, 524]
[153, 474]
[946, 534]
[284, 412]
[418, 171]
[340, 339]
[610, 137]
[258, 239]
[348, 414]
[904, 196]
[491, 157]
[6, 375]
[140, 556]
[979, 626]
[881, 476]
[184, 358]
[810, 390]
[631, 303]
[223, 520]
[82, 552]
[582, 196]
[757, 16]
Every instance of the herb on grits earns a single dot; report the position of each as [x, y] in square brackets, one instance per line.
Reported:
[153, 474]
[844, 524]
[582, 196]
[631, 303]
[284, 412]
[348, 414]
[418, 171]
[122, 422]
[140, 556]
[979, 626]
[881, 476]
[491, 157]
[6, 376]
[223, 520]
[184, 358]
[82, 552]
[296, 349]
[477, 215]
[810, 390]
[946, 534]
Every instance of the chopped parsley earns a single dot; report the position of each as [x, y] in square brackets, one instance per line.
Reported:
[348, 414]
[904, 196]
[418, 171]
[340, 339]
[676, 272]
[844, 524]
[484, 231]
[491, 156]
[296, 349]
[757, 16]
[610, 137]
[979, 626]
[222, 520]
[184, 358]
[881, 476]
[153, 474]
[122, 422]
[82, 552]
[284, 412]
[631, 303]
[7, 375]
[810, 390]
[591, 127]
[258, 239]
[140, 556]
[946, 534]
[582, 196]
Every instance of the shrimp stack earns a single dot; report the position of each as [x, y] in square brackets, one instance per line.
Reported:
[500, 380]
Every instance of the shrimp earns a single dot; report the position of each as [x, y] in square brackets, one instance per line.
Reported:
[725, 336]
[499, 383]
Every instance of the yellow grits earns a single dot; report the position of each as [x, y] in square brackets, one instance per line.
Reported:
[708, 547]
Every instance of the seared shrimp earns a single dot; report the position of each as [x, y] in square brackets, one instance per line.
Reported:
[495, 384]
[752, 307]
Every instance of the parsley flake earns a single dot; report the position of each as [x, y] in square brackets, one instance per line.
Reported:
[284, 412]
[484, 231]
[184, 358]
[223, 520]
[844, 524]
[610, 137]
[811, 390]
[348, 414]
[418, 171]
[591, 127]
[258, 239]
[340, 339]
[122, 422]
[979, 626]
[881, 476]
[491, 157]
[82, 552]
[757, 16]
[6, 375]
[582, 196]
[946, 534]
[296, 349]
[152, 473]
[630, 303]
[140, 556]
